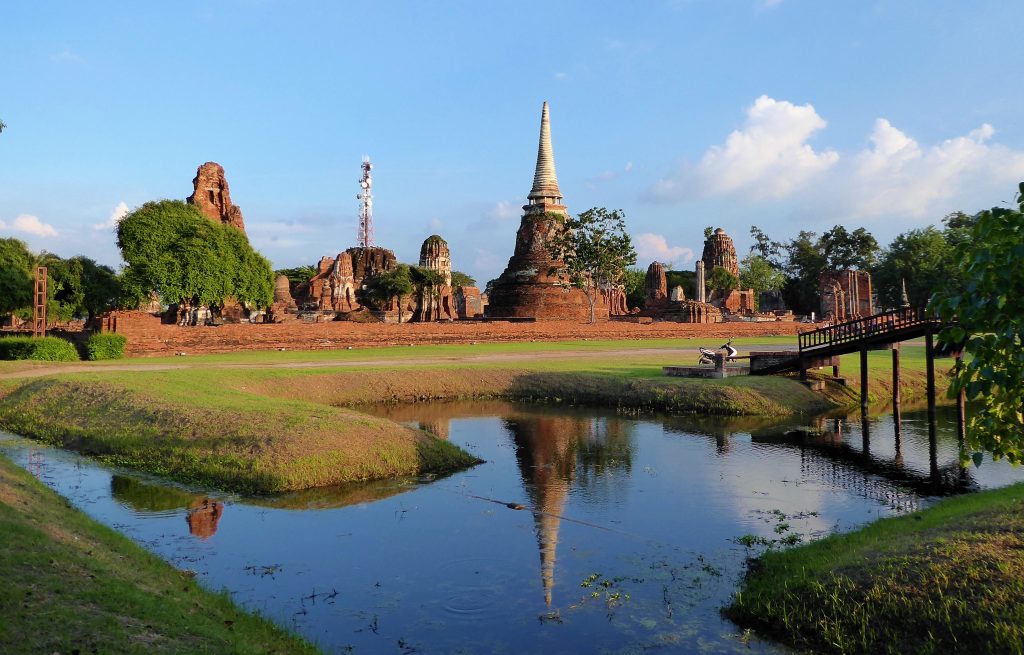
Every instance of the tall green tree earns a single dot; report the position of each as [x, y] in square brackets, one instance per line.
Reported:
[101, 287]
[923, 258]
[172, 248]
[843, 249]
[768, 249]
[15, 276]
[757, 273]
[721, 279]
[460, 279]
[596, 251]
[385, 287]
[633, 279]
[989, 314]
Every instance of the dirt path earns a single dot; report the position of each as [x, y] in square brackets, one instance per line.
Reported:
[671, 355]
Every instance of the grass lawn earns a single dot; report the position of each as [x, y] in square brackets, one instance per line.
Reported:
[276, 421]
[949, 578]
[72, 585]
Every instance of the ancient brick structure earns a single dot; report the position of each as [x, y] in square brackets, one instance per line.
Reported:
[736, 301]
[772, 301]
[284, 307]
[468, 303]
[720, 251]
[845, 295]
[370, 261]
[701, 282]
[333, 288]
[655, 287]
[530, 286]
[210, 194]
[435, 256]
[659, 305]
[615, 299]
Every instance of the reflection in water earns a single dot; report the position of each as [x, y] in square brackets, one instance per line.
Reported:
[552, 451]
[655, 502]
[202, 518]
[202, 515]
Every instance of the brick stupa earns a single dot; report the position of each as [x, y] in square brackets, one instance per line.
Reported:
[528, 288]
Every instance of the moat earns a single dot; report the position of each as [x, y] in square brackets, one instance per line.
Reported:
[585, 530]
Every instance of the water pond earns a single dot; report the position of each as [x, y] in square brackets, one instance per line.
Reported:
[584, 531]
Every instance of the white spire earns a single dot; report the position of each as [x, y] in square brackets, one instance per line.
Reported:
[545, 183]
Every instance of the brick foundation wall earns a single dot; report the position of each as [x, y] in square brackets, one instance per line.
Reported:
[147, 336]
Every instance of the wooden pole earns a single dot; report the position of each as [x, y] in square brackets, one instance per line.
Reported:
[929, 354]
[864, 379]
[961, 409]
[896, 404]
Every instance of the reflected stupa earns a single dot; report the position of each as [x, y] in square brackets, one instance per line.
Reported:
[554, 453]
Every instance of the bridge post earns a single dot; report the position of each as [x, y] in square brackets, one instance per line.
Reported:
[864, 379]
[929, 355]
[961, 409]
[896, 408]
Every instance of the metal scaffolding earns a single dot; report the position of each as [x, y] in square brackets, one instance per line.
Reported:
[39, 303]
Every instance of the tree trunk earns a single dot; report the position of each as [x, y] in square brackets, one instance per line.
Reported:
[590, 297]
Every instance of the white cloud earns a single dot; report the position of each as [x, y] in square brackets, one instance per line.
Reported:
[654, 247]
[30, 224]
[503, 211]
[896, 176]
[561, 76]
[769, 157]
[608, 176]
[435, 224]
[66, 56]
[115, 217]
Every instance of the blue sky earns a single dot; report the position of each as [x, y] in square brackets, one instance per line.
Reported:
[787, 114]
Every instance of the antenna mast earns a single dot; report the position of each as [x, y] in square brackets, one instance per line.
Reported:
[365, 236]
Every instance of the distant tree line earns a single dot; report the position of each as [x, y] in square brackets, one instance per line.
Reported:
[77, 287]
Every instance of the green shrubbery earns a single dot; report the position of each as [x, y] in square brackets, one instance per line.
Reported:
[105, 346]
[51, 349]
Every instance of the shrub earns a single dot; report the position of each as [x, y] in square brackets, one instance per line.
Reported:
[51, 349]
[105, 346]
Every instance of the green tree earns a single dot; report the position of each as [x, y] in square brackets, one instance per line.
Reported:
[989, 314]
[297, 275]
[685, 279]
[923, 258]
[721, 279]
[633, 280]
[758, 274]
[843, 249]
[66, 295]
[596, 251]
[101, 287]
[769, 250]
[804, 265]
[15, 276]
[460, 279]
[172, 248]
[2, 126]
[382, 288]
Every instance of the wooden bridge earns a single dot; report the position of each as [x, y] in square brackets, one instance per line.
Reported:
[882, 331]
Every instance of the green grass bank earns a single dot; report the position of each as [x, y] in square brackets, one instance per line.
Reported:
[73, 585]
[949, 578]
[272, 422]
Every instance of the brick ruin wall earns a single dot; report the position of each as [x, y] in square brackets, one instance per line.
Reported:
[147, 336]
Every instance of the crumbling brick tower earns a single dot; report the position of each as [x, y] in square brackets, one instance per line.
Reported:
[528, 288]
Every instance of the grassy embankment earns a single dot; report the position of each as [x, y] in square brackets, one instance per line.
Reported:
[947, 579]
[268, 422]
[72, 585]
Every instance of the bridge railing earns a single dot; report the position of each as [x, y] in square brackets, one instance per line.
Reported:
[861, 328]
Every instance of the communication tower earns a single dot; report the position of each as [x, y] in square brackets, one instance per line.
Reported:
[365, 236]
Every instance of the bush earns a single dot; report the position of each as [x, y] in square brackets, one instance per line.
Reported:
[50, 349]
[105, 346]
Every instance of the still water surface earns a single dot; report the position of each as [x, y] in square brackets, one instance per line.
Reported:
[584, 531]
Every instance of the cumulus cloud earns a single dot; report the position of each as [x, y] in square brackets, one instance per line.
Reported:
[895, 175]
[769, 157]
[66, 56]
[115, 217]
[654, 247]
[608, 176]
[504, 211]
[30, 224]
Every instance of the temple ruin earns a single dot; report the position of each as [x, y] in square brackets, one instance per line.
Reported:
[530, 287]
[211, 196]
[660, 304]
[845, 295]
